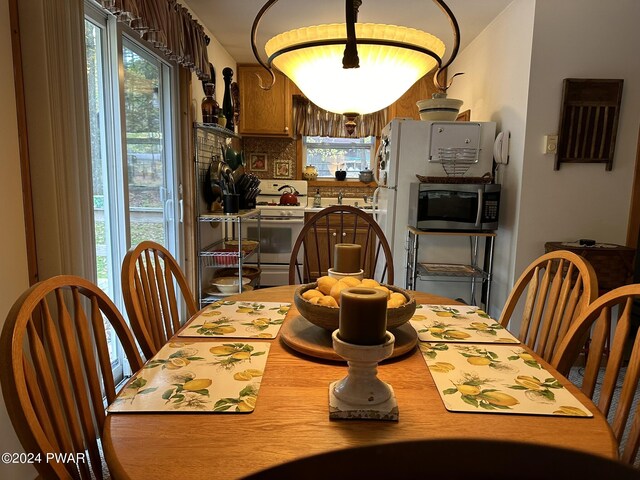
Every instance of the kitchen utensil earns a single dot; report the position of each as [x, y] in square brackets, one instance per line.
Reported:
[231, 203]
[288, 197]
[366, 176]
[207, 190]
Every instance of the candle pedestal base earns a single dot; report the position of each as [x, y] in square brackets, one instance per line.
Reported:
[361, 394]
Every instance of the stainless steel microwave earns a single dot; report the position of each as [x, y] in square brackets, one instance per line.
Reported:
[454, 206]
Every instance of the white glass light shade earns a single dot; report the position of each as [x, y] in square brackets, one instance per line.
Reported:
[385, 72]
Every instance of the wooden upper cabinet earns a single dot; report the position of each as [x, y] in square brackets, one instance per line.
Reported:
[264, 112]
[406, 106]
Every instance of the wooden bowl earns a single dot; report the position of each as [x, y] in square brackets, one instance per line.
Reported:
[328, 317]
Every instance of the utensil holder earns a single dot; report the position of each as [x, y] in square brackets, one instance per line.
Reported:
[231, 203]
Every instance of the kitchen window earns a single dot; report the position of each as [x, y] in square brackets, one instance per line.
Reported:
[329, 154]
[131, 93]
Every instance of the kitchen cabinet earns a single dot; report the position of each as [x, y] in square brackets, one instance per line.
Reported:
[471, 272]
[405, 106]
[328, 236]
[264, 112]
[219, 241]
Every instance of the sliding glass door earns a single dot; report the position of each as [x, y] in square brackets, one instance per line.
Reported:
[133, 155]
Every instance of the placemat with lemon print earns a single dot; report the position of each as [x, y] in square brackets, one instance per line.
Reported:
[458, 323]
[496, 379]
[197, 377]
[238, 320]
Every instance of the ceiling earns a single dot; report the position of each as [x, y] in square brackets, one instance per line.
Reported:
[230, 20]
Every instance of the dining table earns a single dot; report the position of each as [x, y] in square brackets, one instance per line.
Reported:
[291, 418]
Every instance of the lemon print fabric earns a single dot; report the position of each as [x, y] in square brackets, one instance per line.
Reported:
[496, 379]
[458, 323]
[238, 320]
[197, 376]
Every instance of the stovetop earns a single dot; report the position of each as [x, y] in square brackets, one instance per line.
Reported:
[270, 193]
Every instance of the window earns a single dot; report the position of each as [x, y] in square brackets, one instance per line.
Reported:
[133, 156]
[329, 154]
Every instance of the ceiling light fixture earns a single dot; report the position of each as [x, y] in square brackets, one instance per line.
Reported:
[379, 62]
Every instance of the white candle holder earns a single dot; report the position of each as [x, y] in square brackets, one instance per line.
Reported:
[339, 275]
[361, 394]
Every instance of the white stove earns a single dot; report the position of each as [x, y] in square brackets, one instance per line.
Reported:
[280, 226]
[268, 202]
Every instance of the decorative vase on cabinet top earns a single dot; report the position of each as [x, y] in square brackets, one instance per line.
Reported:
[439, 107]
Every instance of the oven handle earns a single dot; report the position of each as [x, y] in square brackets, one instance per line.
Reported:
[480, 206]
[280, 221]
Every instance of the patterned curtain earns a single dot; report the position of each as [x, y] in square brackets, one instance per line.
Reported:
[169, 27]
[311, 120]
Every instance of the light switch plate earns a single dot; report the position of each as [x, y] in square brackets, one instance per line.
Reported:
[550, 144]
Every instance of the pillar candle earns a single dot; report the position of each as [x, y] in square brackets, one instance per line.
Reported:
[346, 257]
[363, 316]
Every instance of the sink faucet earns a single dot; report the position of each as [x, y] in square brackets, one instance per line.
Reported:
[366, 199]
[340, 195]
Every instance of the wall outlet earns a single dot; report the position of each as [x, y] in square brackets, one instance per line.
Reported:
[550, 144]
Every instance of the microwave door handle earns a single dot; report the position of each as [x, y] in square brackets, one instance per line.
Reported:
[480, 206]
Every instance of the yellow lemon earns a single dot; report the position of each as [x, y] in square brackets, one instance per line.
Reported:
[327, 301]
[247, 404]
[398, 296]
[326, 283]
[479, 325]
[244, 309]
[573, 411]
[178, 344]
[500, 399]
[197, 384]
[259, 322]
[455, 334]
[242, 376]
[442, 367]
[468, 389]
[336, 289]
[436, 330]
[526, 357]
[263, 335]
[315, 300]
[444, 314]
[209, 325]
[419, 318]
[309, 294]
[351, 281]
[370, 283]
[222, 350]
[241, 355]
[224, 330]
[478, 361]
[176, 363]
[384, 289]
[254, 372]
[211, 313]
[529, 383]
[394, 303]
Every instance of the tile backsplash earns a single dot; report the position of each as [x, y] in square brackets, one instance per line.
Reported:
[279, 155]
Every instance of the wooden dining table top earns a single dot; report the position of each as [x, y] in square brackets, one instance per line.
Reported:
[291, 419]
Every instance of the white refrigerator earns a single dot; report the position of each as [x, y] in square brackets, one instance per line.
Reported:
[409, 147]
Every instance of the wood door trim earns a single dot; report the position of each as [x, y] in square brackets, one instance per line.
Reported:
[23, 144]
[633, 229]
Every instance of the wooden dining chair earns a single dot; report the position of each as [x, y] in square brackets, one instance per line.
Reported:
[340, 224]
[152, 285]
[615, 369]
[56, 373]
[552, 291]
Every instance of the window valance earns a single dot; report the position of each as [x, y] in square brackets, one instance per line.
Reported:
[311, 120]
[169, 27]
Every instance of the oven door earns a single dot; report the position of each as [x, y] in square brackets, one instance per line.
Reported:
[277, 237]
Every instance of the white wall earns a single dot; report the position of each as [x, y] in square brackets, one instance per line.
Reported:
[13, 262]
[578, 39]
[495, 87]
[220, 59]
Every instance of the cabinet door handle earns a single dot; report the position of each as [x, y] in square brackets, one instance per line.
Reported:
[344, 234]
[334, 234]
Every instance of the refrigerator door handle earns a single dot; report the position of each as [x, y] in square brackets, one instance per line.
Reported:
[374, 203]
